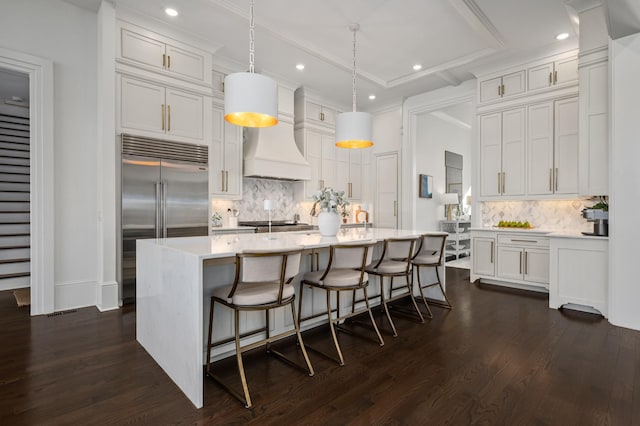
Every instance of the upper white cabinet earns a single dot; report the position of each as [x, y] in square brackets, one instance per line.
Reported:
[313, 111]
[156, 52]
[553, 73]
[218, 83]
[593, 135]
[318, 148]
[502, 153]
[225, 157]
[150, 109]
[349, 172]
[552, 148]
[502, 86]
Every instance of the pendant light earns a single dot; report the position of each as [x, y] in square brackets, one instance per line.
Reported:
[353, 129]
[250, 100]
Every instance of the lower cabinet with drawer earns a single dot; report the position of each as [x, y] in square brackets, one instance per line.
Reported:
[512, 258]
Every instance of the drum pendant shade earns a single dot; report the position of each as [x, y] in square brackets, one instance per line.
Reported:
[251, 100]
[353, 130]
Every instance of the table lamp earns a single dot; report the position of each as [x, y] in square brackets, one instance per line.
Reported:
[449, 199]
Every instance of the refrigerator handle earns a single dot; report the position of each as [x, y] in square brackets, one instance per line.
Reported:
[164, 209]
[158, 201]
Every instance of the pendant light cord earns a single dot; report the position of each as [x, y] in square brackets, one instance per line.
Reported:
[252, 37]
[355, 30]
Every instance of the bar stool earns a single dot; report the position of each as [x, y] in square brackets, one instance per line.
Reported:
[262, 282]
[396, 262]
[345, 272]
[430, 254]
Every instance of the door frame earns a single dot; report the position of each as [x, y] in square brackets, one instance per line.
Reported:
[40, 73]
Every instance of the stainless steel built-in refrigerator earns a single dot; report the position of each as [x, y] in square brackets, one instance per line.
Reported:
[164, 194]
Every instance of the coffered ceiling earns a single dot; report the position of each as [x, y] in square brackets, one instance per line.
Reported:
[451, 39]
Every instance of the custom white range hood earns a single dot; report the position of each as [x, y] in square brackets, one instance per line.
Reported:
[271, 153]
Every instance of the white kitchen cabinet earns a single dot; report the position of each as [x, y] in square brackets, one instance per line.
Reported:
[502, 86]
[554, 73]
[552, 148]
[349, 172]
[318, 148]
[225, 157]
[311, 110]
[149, 109]
[218, 83]
[502, 153]
[483, 255]
[579, 273]
[522, 258]
[594, 135]
[156, 52]
[320, 114]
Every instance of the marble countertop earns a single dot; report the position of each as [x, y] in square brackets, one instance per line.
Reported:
[227, 245]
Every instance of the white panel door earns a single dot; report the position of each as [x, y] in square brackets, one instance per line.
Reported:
[185, 114]
[566, 70]
[386, 204]
[342, 170]
[510, 263]
[355, 173]
[490, 154]
[541, 76]
[490, 89]
[483, 256]
[216, 156]
[540, 149]
[513, 152]
[328, 160]
[188, 63]
[536, 266]
[233, 160]
[142, 49]
[313, 111]
[513, 84]
[566, 146]
[141, 106]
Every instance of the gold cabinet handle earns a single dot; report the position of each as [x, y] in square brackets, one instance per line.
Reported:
[499, 182]
[168, 118]
[499, 90]
[550, 78]
[321, 183]
[168, 61]
[503, 90]
[550, 179]
[520, 263]
[395, 208]
[555, 77]
[162, 116]
[526, 262]
[222, 87]
[221, 180]
[226, 180]
[164, 60]
[556, 178]
[504, 179]
[491, 261]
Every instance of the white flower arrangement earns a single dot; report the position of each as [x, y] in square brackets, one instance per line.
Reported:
[327, 199]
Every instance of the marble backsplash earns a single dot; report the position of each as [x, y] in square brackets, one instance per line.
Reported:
[255, 191]
[553, 215]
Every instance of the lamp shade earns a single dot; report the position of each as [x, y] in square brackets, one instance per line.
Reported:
[250, 100]
[450, 198]
[353, 130]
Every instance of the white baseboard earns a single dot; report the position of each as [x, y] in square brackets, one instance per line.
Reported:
[107, 296]
[14, 283]
[74, 295]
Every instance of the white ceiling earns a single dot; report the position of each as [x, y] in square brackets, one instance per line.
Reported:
[450, 38]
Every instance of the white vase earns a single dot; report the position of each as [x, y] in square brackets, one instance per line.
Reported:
[328, 223]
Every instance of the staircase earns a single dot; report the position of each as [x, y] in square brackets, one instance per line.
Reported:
[15, 210]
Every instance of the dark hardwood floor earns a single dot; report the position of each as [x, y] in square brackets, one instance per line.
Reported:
[499, 357]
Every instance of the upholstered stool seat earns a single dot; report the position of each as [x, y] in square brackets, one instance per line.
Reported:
[430, 254]
[262, 282]
[345, 272]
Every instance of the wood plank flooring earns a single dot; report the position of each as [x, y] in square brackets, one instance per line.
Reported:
[499, 357]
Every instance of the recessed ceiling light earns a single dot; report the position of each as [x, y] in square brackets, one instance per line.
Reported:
[300, 67]
[372, 97]
[171, 12]
[562, 36]
[417, 67]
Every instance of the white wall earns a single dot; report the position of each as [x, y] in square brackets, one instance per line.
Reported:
[434, 136]
[66, 35]
[624, 178]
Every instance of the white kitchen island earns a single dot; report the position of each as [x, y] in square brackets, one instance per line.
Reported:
[175, 278]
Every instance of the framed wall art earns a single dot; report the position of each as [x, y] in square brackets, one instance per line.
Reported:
[426, 186]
